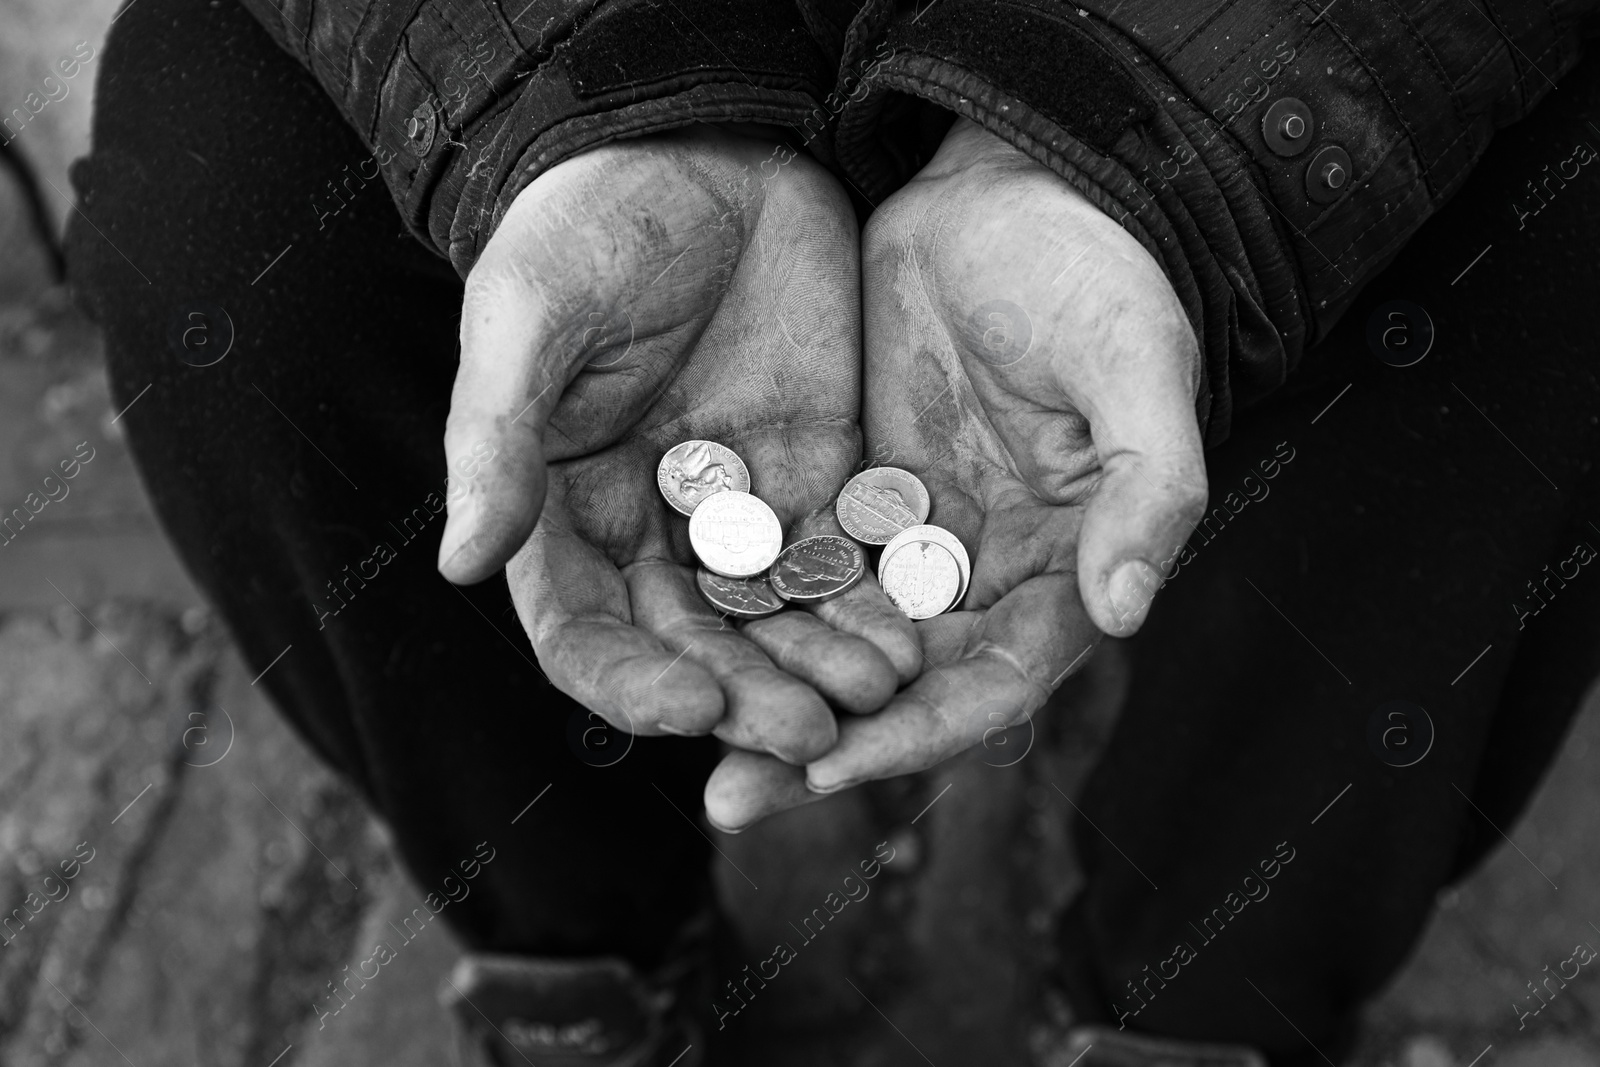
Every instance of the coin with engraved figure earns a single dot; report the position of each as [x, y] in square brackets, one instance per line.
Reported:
[878, 503]
[735, 534]
[694, 470]
[817, 569]
[743, 598]
[921, 578]
[939, 536]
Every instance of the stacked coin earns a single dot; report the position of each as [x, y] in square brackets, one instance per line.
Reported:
[748, 574]
[735, 534]
[925, 571]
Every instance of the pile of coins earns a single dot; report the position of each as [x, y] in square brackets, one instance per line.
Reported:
[746, 572]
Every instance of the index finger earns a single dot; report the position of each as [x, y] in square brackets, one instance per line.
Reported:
[1003, 670]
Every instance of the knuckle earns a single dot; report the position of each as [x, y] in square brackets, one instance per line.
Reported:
[1032, 692]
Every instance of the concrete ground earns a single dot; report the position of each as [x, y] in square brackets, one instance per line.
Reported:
[222, 877]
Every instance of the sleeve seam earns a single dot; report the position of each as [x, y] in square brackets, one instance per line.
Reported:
[1488, 12]
[1204, 24]
[1243, 49]
[1388, 100]
[1426, 48]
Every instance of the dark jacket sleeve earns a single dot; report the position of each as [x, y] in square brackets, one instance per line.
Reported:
[1272, 155]
[465, 102]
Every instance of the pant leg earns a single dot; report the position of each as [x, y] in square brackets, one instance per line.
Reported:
[301, 477]
[1376, 565]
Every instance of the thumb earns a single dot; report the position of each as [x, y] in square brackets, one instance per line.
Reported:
[1152, 490]
[554, 293]
[578, 267]
[515, 365]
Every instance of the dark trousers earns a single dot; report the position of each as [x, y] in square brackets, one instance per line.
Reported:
[1374, 566]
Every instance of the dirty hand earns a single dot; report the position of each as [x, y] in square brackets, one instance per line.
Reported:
[699, 284]
[1028, 360]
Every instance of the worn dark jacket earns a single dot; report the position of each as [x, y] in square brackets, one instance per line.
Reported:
[1272, 155]
[464, 102]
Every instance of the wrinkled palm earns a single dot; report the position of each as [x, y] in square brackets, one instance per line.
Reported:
[1028, 360]
[694, 285]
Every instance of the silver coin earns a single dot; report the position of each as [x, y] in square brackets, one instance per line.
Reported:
[735, 534]
[878, 503]
[939, 536]
[694, 470]
[743, 598]
[817, 569]
[922, 578]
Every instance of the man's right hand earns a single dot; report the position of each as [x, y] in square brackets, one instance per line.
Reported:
[1030, 362]
[700, 284]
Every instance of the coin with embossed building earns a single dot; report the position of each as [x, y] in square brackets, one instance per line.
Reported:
[879, 503]
[735, 534]
[817, 569]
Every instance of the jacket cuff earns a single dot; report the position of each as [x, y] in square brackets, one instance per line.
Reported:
[1161, 119]
[464, 105]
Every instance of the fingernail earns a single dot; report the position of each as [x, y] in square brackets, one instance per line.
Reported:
[458, 530]
[1132, 587]
[715, 825]
[823, 789]
[675, 731]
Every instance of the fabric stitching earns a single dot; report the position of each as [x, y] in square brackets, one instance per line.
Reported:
[1434, 63]
[1220, 71]
[497, 18]
[1398, 239]
[1554, 46]
[1413, 191]
[1552, 21]
[1114, 44]
[402, 49]
[1105, 49]
[1491, 55]
[1522, 75]
[1394, 109]
[1205, 23]
[444, 22]
[355, 49]
[1416, 187]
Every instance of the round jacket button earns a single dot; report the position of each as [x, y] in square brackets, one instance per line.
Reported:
[419, 129]
[1287, 126]
[1328, 174]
